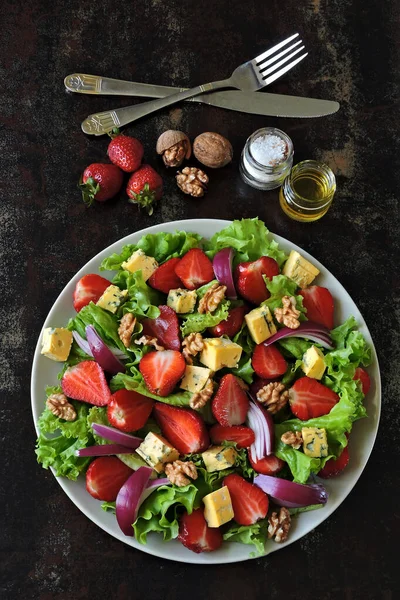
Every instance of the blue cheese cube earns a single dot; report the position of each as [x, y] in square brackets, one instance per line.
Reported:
[220, 352]
[140, 262]
[315, 443]
[218, 458]
[182, 301]
[56, 343]
[299, 269]
[260, 324]
[218, 508]
[313, 363]
[195, 378]
[112, 298]
[157, 451]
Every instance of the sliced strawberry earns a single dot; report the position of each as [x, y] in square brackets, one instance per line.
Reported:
[195, 269]
[86, 382]
[232, 325]
[269, 465]
[249, 502]
[230, 404]
[196, 535]
[363, 376]
[89, 289]
[268, 362]
[164, 277]
[249, 278]
[165, 328]
[319, 304]
[309, 399]
[242, 436]
[129, 410]
[162, 370]
[334, 466]
[184, 428]
[105, 477]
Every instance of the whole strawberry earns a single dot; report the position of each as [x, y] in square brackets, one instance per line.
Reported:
[125, 152]
[100, 181]
[145, 187]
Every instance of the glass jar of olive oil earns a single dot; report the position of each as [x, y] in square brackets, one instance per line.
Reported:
[308, 190]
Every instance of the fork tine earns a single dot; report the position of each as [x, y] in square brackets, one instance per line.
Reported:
[278, 56]
[275, 48]
[284, 70]
[276, 65]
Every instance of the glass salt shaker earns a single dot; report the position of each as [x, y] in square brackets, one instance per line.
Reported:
[267, 158]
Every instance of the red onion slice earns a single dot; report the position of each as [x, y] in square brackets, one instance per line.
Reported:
[82, 343]
[102, 353]
[309, 330]
[104, 450]
[130, 497]
[261, 422]
[222, 265]
[116, 436]
[291, 494]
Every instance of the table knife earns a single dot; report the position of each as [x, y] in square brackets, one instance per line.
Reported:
[258, 103]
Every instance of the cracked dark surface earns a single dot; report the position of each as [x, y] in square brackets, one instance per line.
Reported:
[49, 550]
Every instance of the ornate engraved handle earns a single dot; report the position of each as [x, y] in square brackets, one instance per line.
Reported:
[83, 84]
[101, 123]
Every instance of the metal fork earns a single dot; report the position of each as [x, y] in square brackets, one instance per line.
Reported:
[250, 76]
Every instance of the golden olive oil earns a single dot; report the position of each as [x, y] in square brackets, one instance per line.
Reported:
[308, 191]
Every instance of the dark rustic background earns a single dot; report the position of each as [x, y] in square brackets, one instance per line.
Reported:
[49, 550]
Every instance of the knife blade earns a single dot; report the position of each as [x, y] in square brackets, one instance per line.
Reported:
[258, 103]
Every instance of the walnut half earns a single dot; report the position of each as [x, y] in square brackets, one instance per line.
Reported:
[60, 407]
[192, 181]
[147, 340]
[177, 470]
[200, 399]
[212, 298]
[274, 396]
[174, 146]
[279, 525]
[192, 345]
[288, 315]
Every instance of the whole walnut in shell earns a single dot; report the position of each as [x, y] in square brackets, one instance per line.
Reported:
[212, 150]
[174, 146]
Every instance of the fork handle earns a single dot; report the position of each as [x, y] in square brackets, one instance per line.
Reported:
[101, 123]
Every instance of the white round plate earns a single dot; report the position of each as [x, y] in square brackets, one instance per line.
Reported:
[44, 372]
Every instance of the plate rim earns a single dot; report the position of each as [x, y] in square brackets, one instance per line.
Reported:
[218, 557]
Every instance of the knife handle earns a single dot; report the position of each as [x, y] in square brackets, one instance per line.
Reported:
[81, 83]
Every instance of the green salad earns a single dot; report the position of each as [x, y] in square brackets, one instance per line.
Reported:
[206, 391]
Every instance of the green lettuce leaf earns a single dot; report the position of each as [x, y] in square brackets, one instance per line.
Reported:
[58, 440]
[97, 414]
[105, 323]
[280, 286]
[351, 351]
[198, 322]
[108, 506]
[143, 301]
[244, 370]
[161, 510]
[337, 423]
[255, 535]
[301, 509]
[161, 246]
[136, 383]
[250, 238]
[213, 480]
